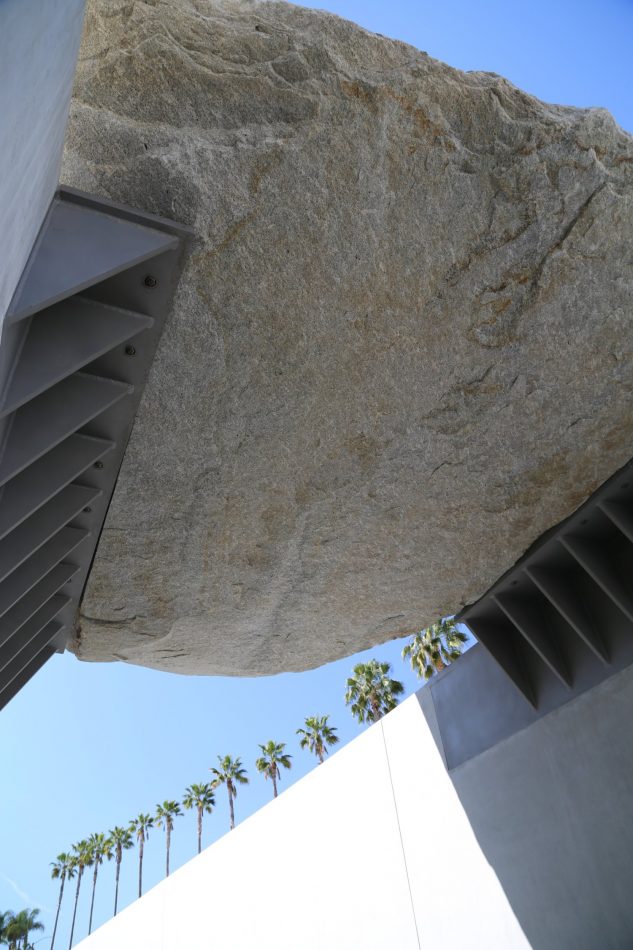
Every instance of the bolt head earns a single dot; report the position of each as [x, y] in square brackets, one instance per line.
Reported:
[130, 350]
[150, 281]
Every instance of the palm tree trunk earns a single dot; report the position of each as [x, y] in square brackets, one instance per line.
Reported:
[72, 927]
[92, 902]
[199, 829]
[376, 710]
[168, 837]
[274, 778]
[231, 810]
[116, 884]
[59, 907]
[320, 754]
[141, 842]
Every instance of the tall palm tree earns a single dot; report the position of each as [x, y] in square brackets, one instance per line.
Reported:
[140, 827]
[231, 773]
[200, 797]
[81, 859]
[432, 649]
[371, 692]
[63, 868]
[165, 815]
[317, 736]
[19, 927]
[272, 757]
[120, 840]
[101, 847]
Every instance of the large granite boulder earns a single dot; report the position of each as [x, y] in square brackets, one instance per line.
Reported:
[401, 348]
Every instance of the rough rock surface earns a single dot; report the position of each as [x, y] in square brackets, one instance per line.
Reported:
[401, 349]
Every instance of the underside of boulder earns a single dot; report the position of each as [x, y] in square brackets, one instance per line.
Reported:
[401, 346]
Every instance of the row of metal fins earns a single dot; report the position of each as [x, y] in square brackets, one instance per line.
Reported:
[47, 402]
[568, 606]
[52, 333]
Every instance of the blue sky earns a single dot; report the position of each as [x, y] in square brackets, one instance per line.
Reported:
[86, 746]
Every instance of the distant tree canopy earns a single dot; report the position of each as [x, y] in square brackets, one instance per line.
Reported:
[15, 928]
[317, 735]
[433, 649]
[371, 692]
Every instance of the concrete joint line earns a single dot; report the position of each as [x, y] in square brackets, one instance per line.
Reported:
[404, 855]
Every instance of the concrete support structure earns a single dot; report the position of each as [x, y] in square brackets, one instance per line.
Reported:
[549, 796]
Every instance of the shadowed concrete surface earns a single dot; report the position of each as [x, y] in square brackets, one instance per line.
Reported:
[400, 350]
[548, 796]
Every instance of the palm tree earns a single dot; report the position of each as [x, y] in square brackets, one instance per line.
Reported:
[101, 847]
[268, 763]
[6, 916]
[371, 692]
[201, 798]
[140, 827]
[431, 650]
[230, 774]
[165, 815]
[81, 859]
[63, 868]
[20, 926]
[317, 736]
[120, 840]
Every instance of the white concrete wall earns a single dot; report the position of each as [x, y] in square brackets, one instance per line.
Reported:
[39, 42]
[371, 850]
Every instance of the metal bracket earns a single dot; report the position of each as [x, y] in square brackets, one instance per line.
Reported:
[561, 620]
[77, 345]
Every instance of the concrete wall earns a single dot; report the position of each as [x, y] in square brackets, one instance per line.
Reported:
[371, 850]
[39, 42]
[550, 799]
[527, 841]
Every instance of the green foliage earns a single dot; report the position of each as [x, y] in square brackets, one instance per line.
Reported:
[199, 796]
[63, 867]
[15, 928]
[5, 917]
[140, 826]
[230, 773]
[166, 813]
[100, 848]
[273, 755]
[432, 649]
[120, 840]
[371, 692]
[317, 735]
[82, 856]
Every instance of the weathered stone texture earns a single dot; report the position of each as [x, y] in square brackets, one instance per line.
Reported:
[401, 348]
